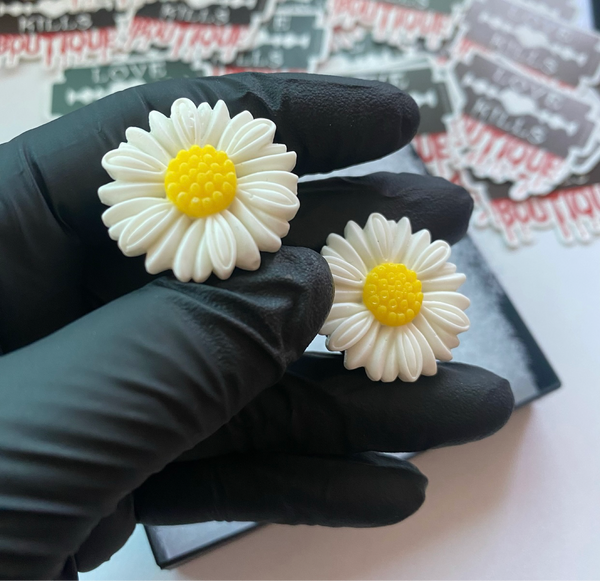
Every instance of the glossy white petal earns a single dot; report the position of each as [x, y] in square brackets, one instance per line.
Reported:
[345, 276]
[183, 116]
[236, 124]
[384, 342]
[147, 144]
[350, 331]
[143, 230]
[133, 166]
[248, 254]
[266, 178]
[432, 259]
[357, 239]
[429, 366]
[358, 355]
[218, 122]
[448, 297]
[339, 312]
[450, 282]
[128, 209]
[417, 245]
[401, 240]
[275, 199]
[279, 162]
[266, 240]
[185, 257]
[162, 254]
[250, 139]
[115, 192]
[341, 248]
[221, 246]
[161, 128]
[379, 237]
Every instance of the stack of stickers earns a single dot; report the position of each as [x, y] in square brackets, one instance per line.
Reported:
[508, 89]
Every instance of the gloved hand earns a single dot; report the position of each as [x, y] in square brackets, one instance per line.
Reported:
[131, 398]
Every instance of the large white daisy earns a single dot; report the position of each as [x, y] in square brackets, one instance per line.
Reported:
[396, 309]
[200, 192]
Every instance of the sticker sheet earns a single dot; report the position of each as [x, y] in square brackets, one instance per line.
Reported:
[509, 90]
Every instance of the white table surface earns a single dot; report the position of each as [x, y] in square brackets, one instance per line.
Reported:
[523, 504]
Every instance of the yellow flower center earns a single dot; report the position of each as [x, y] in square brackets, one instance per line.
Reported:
[393, 294]
[201, 181]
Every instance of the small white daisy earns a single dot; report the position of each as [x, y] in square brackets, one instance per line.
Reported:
[396, 308]
[200, 192]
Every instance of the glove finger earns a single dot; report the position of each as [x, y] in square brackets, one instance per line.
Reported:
[359, 491]
[90, 411]
[326, 206]
[321, 407]
[49, 206]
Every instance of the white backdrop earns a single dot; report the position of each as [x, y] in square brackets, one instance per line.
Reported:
[524, 504]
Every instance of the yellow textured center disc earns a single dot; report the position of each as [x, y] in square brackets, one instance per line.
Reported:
[201, 181]
[393, 294]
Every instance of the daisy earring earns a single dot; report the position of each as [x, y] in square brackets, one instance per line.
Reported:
[200, 192]
[396, 309]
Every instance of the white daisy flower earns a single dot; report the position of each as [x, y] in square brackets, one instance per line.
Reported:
[200, 192]
[396, 309]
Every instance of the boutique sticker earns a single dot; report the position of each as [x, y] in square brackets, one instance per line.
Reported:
[512, 127]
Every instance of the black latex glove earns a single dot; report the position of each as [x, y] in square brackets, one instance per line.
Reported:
[109, 375]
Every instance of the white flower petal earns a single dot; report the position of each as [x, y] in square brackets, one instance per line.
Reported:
[202, 265]
[183, 117]
[350, 331]
[444, 329]
[231, 130]
[437, 345]
[417, 245]
[279, 162]
[345, 275]
[274, 223]
[264, 179]
[339, 312]
[345, 294]
[356, 238]
[379, 237]
[265, 239]
[251, 138]
[401, 240]
[390, 363]
[115, 192]
[449, 282]
[131, 151]
[146, 143]
[217, 124]
[133, 167]
[204, 114]
[452, 298]
[429, 362]
[221, 246]
[341, 248]
[161, 128]
[278, 201]
[183, 263]
[432, 259]
[412, 357]
[248, 255]
[358, 355]
[455, 320]
[162, 254]
[143, 230]
[128, 209]
[380, 351]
